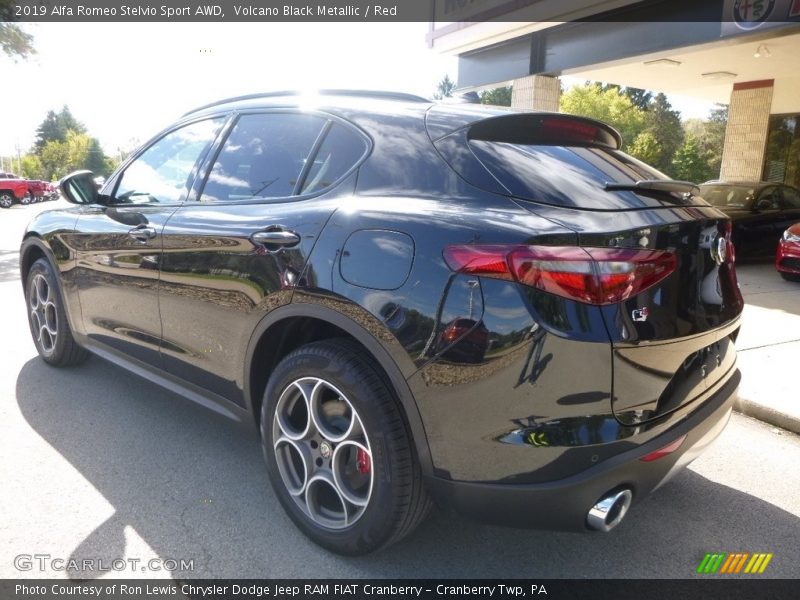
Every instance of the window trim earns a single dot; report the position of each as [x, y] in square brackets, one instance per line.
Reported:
[330, 119]
[312, 156]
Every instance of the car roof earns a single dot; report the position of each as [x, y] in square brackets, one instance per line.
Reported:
[320, 98]
[440, 117]
[369, 109]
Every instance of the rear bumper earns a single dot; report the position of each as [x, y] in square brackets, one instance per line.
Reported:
[564, 504]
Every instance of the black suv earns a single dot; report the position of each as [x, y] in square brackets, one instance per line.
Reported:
[494, 309]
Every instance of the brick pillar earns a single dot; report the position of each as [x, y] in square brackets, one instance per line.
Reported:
[537, 92]
[746, 133]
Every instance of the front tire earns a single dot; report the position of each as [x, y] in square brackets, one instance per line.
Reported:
[338, 451]
[6, 200]
[47, 318]
[790, 276]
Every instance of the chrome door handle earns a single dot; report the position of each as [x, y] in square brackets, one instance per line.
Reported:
[275, 238]
[142, 233]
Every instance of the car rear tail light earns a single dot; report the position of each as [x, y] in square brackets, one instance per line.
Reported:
[665, 451]
[591, 275]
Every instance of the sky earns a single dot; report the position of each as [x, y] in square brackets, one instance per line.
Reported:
[126, 81]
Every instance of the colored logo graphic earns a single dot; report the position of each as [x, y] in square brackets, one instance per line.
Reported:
[736, 563]
[749, 14]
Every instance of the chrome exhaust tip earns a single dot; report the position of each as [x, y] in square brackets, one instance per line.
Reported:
[609, 511]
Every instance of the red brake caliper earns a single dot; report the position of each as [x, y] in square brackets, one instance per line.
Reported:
[362, 462]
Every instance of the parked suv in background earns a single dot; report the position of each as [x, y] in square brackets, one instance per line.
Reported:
[495, 309]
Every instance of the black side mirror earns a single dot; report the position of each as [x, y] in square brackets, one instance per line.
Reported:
[79, 188]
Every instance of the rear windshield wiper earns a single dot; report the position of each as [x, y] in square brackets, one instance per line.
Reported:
[666, 189]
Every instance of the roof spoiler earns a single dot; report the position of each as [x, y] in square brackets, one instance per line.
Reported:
[545, 128]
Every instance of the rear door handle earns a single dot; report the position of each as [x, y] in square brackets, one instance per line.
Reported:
[142, 233]
[276, 238]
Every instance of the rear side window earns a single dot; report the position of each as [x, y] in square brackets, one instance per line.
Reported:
[263, 157]
[565, 175]
[340, 150]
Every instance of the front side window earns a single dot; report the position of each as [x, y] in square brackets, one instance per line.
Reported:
[769, 199]
[164, 172]
[791, 199]
[263, 157]
[728, 196]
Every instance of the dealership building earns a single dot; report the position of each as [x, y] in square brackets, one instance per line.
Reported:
[744, 53]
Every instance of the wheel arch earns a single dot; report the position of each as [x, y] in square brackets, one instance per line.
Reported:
[293, 325]
[32, 249]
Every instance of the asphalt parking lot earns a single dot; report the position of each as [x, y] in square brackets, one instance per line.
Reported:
[100, 464]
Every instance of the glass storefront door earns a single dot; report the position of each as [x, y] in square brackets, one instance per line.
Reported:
[782, 160]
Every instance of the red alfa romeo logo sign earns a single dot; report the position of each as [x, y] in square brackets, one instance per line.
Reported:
[749, 14]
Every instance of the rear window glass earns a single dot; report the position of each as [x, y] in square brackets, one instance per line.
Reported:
[341, 149]
[566, 175]
[727, 196]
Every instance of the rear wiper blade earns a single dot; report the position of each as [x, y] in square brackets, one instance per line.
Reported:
[660, 188]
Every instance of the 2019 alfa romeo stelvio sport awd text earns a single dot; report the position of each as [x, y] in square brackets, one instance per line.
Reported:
[492, 309]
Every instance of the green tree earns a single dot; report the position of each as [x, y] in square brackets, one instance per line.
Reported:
[665, 125]
[498, 96]
[445, 88]
[714, 139]
[646, 148]
[54, 157]
[710, 134]
[690, 162]
[55, 127]
[96, 159]
[639, 97]
[14, 41]
[608, 105]
[32, 167]
[77, 151]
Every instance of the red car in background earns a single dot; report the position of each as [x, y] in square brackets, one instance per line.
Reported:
[38, 190]
[25, 191]
[787, 259]
[12, 189]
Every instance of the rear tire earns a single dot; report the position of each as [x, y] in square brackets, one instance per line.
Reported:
[47, 318]
[338, 451]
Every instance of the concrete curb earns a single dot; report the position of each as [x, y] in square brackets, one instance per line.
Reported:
[767, 414]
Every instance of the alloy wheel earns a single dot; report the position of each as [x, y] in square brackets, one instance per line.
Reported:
[44, 316]
[323, 452]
